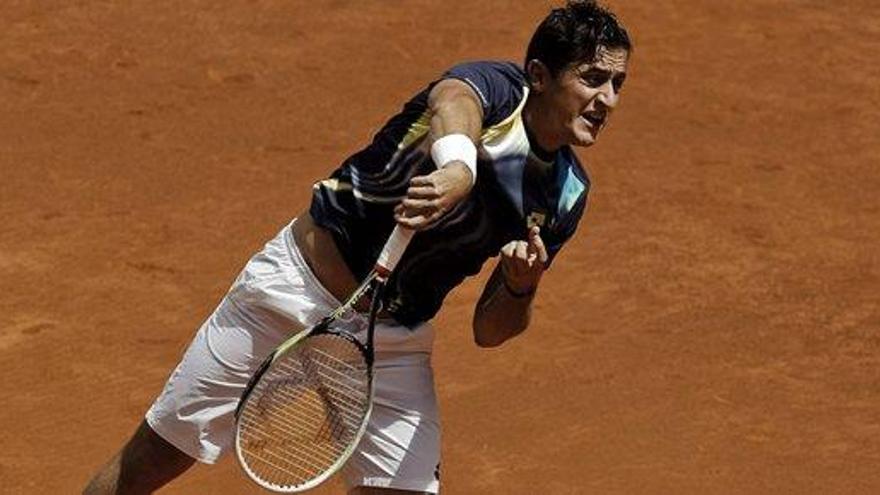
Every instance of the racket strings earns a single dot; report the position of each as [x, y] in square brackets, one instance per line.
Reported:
[305, 412]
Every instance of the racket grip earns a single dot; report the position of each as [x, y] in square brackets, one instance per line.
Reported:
[393, 250]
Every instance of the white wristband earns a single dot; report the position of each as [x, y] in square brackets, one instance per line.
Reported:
[455, 148]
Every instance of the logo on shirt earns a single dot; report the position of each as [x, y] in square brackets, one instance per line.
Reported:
[536, 218]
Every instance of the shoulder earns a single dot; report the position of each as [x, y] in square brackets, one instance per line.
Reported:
[500, 86]
[500, 72]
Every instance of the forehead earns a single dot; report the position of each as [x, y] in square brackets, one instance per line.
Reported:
[608, 59]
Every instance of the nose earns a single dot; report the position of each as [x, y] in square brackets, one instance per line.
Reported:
[608, 96]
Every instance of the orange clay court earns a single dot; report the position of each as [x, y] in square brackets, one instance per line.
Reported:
[713, 328]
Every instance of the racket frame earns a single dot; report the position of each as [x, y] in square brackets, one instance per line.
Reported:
[349, 450]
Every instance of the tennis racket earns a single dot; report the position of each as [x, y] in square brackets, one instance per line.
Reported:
[306, 408]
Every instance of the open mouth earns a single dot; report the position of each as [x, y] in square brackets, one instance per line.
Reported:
[596, 118]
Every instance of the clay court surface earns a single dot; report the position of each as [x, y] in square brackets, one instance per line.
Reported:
[714, 327]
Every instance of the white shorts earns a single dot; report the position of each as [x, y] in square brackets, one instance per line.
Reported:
[274, 296]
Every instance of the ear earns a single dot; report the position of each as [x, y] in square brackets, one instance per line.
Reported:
[538, 74]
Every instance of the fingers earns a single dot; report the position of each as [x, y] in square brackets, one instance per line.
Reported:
[534, 232]
[533, 248]
[508, 249]
[520, 266]
[417, 218]
[415, 205]
[422, 192]
[418, 222]
[522, 252]
[519, 256]
[536, 244]
[421, 180]
[420, 208]
[428, 198]
[417, 213]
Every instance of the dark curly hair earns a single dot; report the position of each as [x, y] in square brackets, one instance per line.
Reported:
[573, 33]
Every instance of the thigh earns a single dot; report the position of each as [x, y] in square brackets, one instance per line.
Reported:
[271, 300]
[195, 411]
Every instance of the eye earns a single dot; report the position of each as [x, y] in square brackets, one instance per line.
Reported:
[594, 78]
[618, 81]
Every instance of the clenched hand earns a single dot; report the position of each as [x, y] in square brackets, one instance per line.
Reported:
[523, 262]
[431, 196]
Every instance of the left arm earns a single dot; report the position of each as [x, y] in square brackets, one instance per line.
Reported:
[505, 307]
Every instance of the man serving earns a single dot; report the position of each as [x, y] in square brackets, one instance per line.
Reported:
[480, 164]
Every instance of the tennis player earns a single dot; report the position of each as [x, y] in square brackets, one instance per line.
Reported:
[480, 163]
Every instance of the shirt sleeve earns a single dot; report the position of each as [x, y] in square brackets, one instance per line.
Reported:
[499, 85]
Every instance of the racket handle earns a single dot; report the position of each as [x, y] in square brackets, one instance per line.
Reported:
[393, 250]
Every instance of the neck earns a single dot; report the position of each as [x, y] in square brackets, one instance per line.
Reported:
[539, 129]
[537, 149]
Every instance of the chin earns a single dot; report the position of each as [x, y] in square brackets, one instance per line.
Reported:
[583, 137]
[584, 141]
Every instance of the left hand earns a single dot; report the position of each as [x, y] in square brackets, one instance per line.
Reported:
[522, 262]
[431, 196]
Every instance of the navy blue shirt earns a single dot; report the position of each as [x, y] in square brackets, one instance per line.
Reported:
[515, 189]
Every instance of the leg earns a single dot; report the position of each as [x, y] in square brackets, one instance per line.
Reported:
[145, 463]
[266, 303]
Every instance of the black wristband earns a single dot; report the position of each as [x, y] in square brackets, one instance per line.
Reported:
[514, 294]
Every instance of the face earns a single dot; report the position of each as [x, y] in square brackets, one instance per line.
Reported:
[579, 100]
